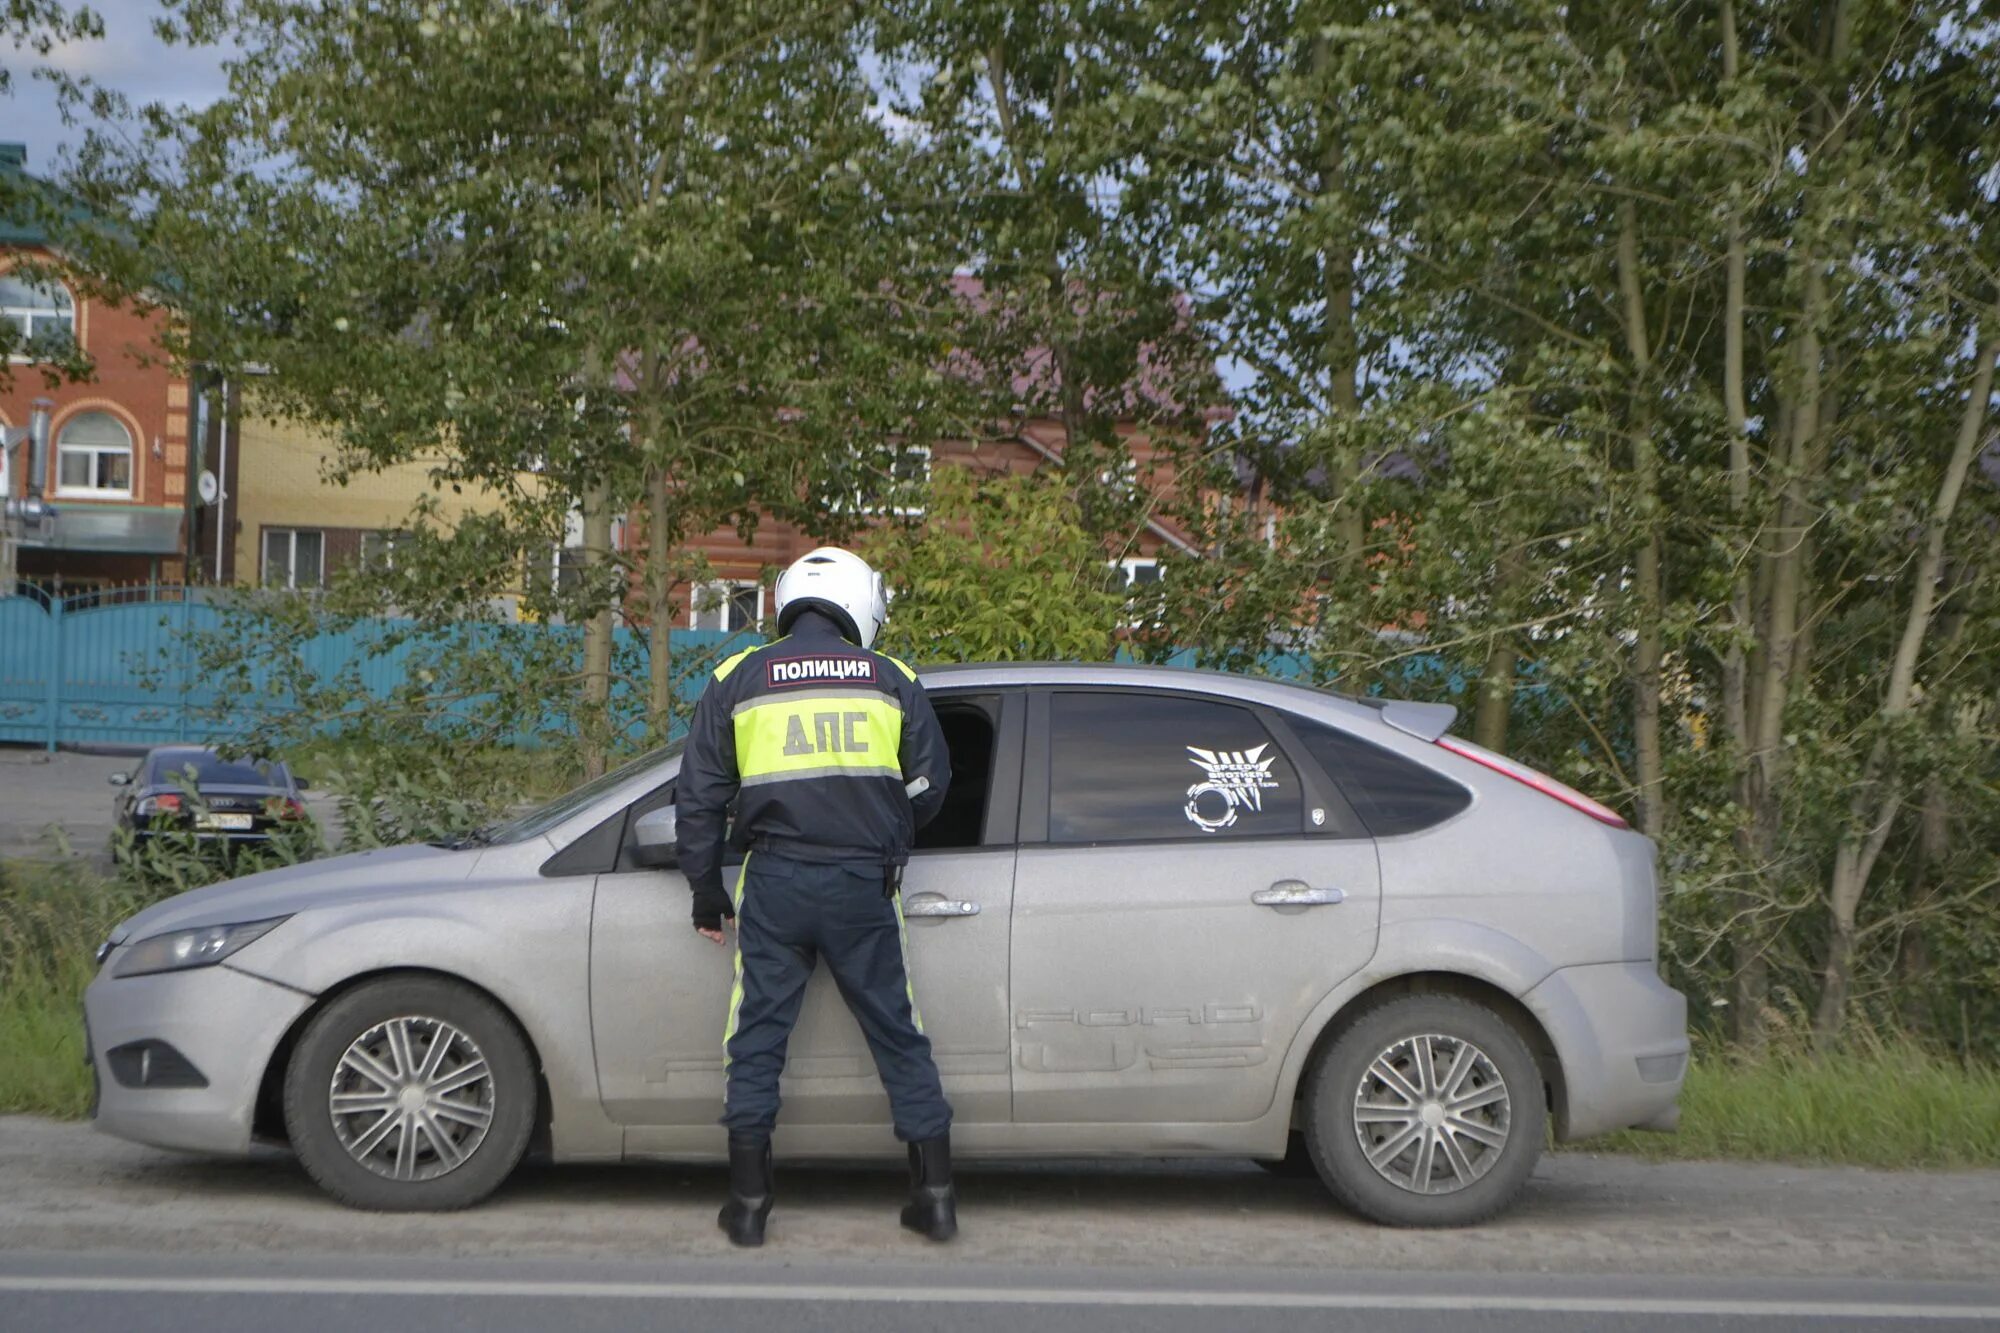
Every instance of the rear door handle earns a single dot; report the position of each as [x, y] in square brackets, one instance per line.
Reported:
[927, 905]
[1296, 893]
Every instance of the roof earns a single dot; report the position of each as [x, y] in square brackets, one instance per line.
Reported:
[27, 201]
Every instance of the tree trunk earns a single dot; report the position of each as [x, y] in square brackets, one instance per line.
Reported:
[1749, 975]
[1648, 655]
[1342, 349]
[1879, 796]
[1495, 705]
[659, 602]
[597, 634]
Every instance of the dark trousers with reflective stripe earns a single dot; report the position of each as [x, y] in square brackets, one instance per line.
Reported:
[790, 914]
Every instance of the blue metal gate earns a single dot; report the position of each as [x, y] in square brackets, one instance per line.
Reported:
[116, 666]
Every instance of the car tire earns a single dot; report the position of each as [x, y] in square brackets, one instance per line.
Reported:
[1370, 1090]
[384, 1120]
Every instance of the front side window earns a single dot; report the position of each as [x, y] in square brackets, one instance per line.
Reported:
[94, 456]
[728, 605]
[294, 558]
[1391, 794]
[40, 316]
[1126, 767]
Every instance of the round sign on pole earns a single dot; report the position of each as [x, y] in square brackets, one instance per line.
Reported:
[207, 487]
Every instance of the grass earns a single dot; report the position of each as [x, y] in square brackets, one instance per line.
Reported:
[1881, 1103]
[52, 916]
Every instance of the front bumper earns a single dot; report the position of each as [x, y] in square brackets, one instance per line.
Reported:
[226, 1023]
[1620, 1034]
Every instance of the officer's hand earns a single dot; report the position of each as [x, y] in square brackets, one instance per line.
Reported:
[711, 908]
[707, 934]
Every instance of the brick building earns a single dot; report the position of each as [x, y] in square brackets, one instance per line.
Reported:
[117, 465]
[738, 598]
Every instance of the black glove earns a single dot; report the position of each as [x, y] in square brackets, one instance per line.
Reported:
[711, 904]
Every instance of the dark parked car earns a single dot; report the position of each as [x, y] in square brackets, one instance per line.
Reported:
[233, 800]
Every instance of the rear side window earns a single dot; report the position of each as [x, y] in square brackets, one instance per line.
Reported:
[1391, 794]
[1136, 767]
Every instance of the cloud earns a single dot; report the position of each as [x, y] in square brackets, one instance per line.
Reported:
[130, 59]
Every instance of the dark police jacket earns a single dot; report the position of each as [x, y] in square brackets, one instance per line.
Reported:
[814, 740]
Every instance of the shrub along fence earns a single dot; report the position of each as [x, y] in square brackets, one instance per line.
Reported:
[125, 668]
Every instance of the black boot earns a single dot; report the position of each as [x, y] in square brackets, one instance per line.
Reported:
[749, 1189]
[933, 1205]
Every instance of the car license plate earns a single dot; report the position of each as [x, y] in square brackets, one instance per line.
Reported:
[223, 822]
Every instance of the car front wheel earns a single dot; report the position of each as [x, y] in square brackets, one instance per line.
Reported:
[1426, 1111]
[410, 1094]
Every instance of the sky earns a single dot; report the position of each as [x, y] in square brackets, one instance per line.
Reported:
[130, 60]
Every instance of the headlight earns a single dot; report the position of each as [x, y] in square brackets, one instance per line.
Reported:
[191, 948]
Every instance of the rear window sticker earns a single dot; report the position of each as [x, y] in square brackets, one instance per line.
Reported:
[1236, 781]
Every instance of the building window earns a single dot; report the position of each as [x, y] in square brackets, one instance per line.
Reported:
[727, 605]
[378, 549]
[94, 456]
[885, 481]
[1139, 572]
[294, 558]
[910, 480]
[40, 315]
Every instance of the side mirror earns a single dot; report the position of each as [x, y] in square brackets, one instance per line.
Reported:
[654, 839]
[120, 779]
[300, 783]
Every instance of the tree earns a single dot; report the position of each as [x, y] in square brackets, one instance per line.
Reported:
[600, 258]
[1001, 568]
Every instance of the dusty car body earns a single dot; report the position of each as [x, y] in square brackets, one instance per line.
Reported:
[1164, 913]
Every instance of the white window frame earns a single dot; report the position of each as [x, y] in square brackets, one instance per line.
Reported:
[856, 503]
[1132, 565]
[25, 317]
[704, 603]
[97, 453]
[385, 541]
[922, 482]
[291, 536]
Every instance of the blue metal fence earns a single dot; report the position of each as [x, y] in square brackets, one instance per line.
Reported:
[118, 668]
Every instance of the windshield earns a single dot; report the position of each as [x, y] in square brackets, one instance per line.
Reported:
[540, 820]
[206, 769]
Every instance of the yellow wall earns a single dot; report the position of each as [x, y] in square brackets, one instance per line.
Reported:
[281, 482]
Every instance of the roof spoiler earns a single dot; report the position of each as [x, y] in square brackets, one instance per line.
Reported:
[1426, 722]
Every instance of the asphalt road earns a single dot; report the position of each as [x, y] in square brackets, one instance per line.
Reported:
[137, 1292]
[95, 1233]
[48, 801]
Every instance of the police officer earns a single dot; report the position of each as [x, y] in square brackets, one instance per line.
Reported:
[833, 759]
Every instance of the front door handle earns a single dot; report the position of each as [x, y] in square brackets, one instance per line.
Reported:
[931, 905]
[1296, 893]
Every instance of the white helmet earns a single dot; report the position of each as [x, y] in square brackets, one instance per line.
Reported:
[839, 583]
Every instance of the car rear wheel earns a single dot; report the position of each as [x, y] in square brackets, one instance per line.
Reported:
[1426, 1111]
[410, 1094]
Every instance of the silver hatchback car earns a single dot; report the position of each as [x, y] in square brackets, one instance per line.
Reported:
[1163, 913]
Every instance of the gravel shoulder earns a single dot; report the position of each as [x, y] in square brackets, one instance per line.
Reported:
[64, 1187]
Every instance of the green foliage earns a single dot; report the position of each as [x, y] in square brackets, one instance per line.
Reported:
[40, 26]
[1619, 373]
[52, 918]
[1002, 568]
[1891, 1105]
